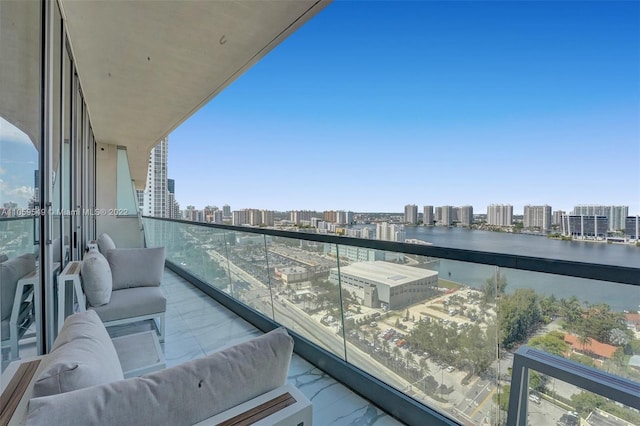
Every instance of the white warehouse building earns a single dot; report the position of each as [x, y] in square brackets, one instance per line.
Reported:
[383, 282]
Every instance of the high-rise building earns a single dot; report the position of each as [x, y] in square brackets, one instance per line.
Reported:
[500, 214]
[447, 216]
[438, 214]
[411, 214]
[330, 216]
[465, 215]
[268, 217]
[632, 227]
[226, 211]
[537, 217]
[297, 216]
[616, 215]
[173, 207]
[585, 226]
[427, 215]
[557, 217]
[390, 232]
[239, 217]
[156, 193]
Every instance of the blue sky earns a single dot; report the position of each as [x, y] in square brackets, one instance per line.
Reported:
[374, 105]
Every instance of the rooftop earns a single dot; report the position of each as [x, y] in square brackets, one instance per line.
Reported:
[387, 273]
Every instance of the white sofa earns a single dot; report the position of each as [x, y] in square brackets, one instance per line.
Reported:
[80, 382]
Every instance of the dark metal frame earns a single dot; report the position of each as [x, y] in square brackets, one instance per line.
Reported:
[597, 381]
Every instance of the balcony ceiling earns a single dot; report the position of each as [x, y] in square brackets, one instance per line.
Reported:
[147, 66]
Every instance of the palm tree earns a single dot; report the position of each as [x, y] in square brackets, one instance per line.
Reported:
[409, 358]
[584, 339]
[396, 352]
[424, 366]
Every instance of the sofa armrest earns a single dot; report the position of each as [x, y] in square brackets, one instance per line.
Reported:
[136, 267]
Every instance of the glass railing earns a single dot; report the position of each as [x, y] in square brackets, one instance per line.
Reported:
[438, 325]
[16, 236]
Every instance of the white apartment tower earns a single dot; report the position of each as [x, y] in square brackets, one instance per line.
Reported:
[427, 215]
[156, 193]
[537, 217]
[500, 214]
[465, 215]
[447, 216]
[387, 232]
[411, 214]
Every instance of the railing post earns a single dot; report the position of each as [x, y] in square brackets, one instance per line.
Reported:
[517, 413]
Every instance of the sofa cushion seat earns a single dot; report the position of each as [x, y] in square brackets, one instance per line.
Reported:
[132, 302]
[181, 395]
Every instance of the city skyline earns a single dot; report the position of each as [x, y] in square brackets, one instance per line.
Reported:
[451, 103]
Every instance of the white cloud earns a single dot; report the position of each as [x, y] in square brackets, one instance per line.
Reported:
[9, 132]
[19, 195]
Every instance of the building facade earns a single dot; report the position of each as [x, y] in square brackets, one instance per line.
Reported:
[156, 193]
[427, 216]
[615, 214]
[632, 227]
[394, 285]
[411, 214]
[500, 214]
[465, 215]
[584, 226]
[537, 217]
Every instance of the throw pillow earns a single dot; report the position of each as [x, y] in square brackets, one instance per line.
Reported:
[105, 243]
[96, 278]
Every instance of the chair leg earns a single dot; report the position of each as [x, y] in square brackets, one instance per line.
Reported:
[161, 329]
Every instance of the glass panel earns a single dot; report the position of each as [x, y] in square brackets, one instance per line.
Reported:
[59, 246]
[126, 199]
[305, 299]
[64, 173]
[20, 129]
[422, 326]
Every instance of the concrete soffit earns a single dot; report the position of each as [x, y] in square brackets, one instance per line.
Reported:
[147, 66]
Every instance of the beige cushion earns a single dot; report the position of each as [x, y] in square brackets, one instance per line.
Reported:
[10, 272]
[96, 278]
[132, 302]
[82, 356]
[105, 243]
[181, 395]
[136, 267]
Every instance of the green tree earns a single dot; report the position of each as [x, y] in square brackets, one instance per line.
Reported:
[494, 286]
[395, 352]
[424, 366]
[552, 342]
[518, 316]
[409, 358]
